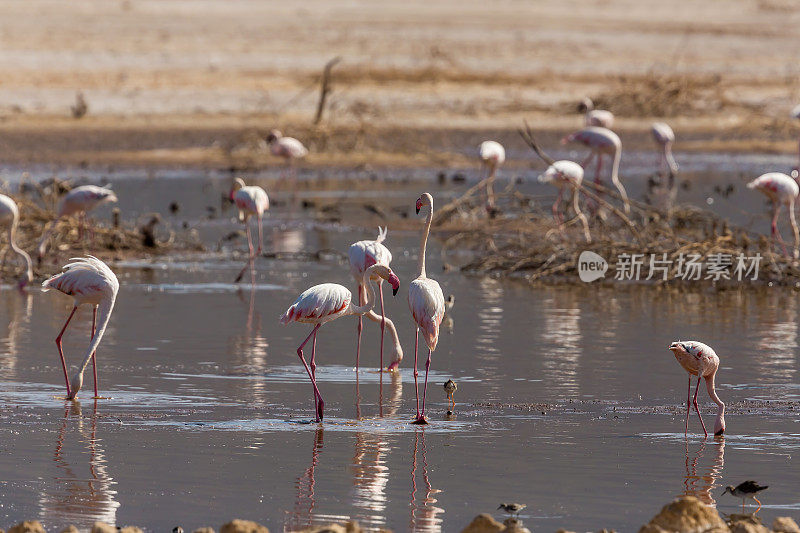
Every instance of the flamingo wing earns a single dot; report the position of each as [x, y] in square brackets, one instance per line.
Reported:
[318, 304]
[426, 302]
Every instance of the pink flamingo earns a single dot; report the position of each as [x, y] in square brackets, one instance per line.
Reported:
[80, 201]
[595, 117]
[796, 116]
[426, 301]
[364, 254]
[288, 148]
[602, 141]
[9, 217]
[780, 189]
[326, 302]
[251, 200]
[700, 360]
[492, 155]
[665, 137]
[89, 281]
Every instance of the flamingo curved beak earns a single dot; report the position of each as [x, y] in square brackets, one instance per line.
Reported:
[395, 283]
[419, 205]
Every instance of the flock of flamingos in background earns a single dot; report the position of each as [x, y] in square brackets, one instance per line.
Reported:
[90, 281]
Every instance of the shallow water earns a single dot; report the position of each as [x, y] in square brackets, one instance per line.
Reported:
[208, 409]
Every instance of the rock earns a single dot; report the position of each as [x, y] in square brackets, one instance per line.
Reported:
[102, 527]
[686, 514]
[70, 529]
[514, 525]
[348, 527]
[29, 526]
[564, 531]
[484, 523]
[784, 524]
[204, 530]
[130, 529]
[243, 526]
[746, 523]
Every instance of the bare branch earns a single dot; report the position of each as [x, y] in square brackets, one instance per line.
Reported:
[527, 136]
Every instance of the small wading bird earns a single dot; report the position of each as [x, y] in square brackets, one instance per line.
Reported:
[665, 137]
[89, 281]
[601, 142]
[250, 200]
[561, 174]
[80, 201]
[512, 508]
[700, 360]
[781, 190]
[426, 301]
[492, 155]
[748, 490]
[595, 117]
[362, 255]
[321, 304]
[288, 148]
[450, 389]
[9, 218]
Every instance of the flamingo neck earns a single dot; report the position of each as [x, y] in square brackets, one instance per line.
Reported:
[103, 316]
[12, 230]
[670, 160]
[615, 166]
[712, 393]
[424, 242]
[370, 302]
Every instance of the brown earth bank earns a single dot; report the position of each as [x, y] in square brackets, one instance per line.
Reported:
[685, 514]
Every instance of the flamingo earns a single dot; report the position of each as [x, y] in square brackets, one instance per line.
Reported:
[321, 304]
[665, 137]
[595, 117]
[287, 148]
[560, 174]
[700, 360]
[80, 201]
[250, 200]
[364, 254]
[9, 217]
[492, 155]
[426, 301]
[780, 189]
[602, 141]
[89, 281]
[796, 116]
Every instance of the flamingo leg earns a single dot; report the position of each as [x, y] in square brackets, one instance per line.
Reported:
[688, 405]
[694, 401]
[383, 319]
[599, 168]
[61, 351]
[795, 230]
[490, 186]
[775, 233]
[360, 325]
[314, 367]
[250, 257]
[588, 158]
[425, 389]
[416, 373]
[556, 208]
[321, 405]
[94, 355]
[260, 235]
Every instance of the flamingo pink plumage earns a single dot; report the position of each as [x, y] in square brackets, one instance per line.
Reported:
[287, 148]
[602, 141]
[251, 200]
[89, 281]
[321, 304]
[780, 189]
[665, 137]
[80, 201]
[362, 255]
[567, 174]
[9, 217]
[700, 360]
[492, 155]
[595, 117]
[426, 302]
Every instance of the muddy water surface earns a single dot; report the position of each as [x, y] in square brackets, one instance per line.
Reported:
[568, 399]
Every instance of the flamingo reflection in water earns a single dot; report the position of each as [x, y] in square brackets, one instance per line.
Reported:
[19, 315]
[702, 485]
[303, 514]
[250, 349]
[424, 513]
[74, 497]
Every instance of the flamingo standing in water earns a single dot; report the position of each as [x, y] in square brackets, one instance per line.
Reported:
[665, 137]
[250, 200]
[364, 254]
[492, 155]
[288, 148]
[780, 189]
[80, 201]
[700, 360]
[9, 217]
[426, 301]
[89, 281]
[796, 116]
[326, 302]
[602, 141]
[595, 117]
